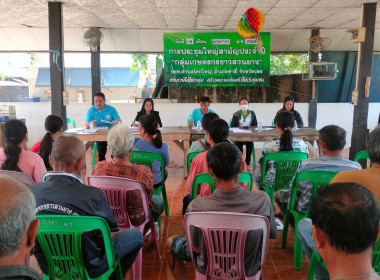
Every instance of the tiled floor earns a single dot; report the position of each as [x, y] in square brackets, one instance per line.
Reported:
[279, 262]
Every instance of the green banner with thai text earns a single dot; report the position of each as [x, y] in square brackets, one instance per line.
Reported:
[215, 59]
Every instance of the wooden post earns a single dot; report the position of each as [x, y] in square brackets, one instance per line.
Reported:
[359, 129]
[57, 71]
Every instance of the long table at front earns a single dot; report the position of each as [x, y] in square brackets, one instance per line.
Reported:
[182, 137]
[308, 134]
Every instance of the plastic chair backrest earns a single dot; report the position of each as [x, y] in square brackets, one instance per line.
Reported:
[316, 177]
[61, 231]
[376, 256]
[206, 178]
[19, 176]
[115, 190]
[190, 158]
[286, 166]
[202, 178]
[362, 155]
[224, 234]
[70, 120]
[147, 158]
[246, 177]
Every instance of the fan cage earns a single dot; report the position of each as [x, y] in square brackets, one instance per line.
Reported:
[319, 71]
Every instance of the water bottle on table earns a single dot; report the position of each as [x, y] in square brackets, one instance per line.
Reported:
[91, 126]
[259, 127]
[199, 128]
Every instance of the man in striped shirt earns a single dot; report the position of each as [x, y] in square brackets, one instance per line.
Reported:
[333, 140]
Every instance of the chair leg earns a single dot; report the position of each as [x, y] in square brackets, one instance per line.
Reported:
[253, 155]
[165, 198]
[137, 266]
[298, 250]
[154, 238]
[312, 267]
[94, 154]
[285, 230]
[270, 193]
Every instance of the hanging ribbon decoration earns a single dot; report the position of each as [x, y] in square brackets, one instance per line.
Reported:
[250, 24]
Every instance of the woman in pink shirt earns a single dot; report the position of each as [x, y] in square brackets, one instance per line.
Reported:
[13, 157]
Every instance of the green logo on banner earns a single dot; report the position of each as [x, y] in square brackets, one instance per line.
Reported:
[215, 59]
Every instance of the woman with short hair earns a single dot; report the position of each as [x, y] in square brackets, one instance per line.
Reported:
[120, 141]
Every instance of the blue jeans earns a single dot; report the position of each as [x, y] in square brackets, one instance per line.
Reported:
[127, 244]
[305, 232]
[156, 211]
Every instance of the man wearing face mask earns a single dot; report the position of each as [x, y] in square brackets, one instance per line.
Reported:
[244, 118]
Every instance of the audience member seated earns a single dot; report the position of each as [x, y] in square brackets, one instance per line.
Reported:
[198, 113]
[289, 107]
[332, 141]
[18, 228]
[14, 157]
[120, 141]
[62, 192]
[224, 164]
[54, 128]
[345, 225]
[147, 108]
[369, 178]
[217, 132]
[284, 123]
[151, 141]
[244, 118]
[201, 144]
[101, 114]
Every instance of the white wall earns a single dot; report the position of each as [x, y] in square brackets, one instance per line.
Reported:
[176, 114]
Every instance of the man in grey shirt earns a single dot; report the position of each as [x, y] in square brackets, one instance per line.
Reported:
[333, 140]
[224, 160]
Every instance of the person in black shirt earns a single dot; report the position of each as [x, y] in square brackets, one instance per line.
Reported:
[63, 192]
[289, 107]
[147, 108]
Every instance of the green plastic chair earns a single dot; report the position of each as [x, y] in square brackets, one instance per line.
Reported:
[61, 231]
[246, 177]
[206, 178]
[147, 158]
[317, 178]
[376, 256]
[315, 258]
[188, 119]
[362, 155]
[190, 158]
[70, 120]
[202, 178]
[286, 166]
[95, 147]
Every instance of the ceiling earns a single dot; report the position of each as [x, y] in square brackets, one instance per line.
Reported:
[138, 25]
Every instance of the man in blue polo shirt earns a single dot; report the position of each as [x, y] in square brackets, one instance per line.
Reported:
[101, 114]
[198, 113]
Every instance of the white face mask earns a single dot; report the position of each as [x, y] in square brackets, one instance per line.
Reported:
[244, 107]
